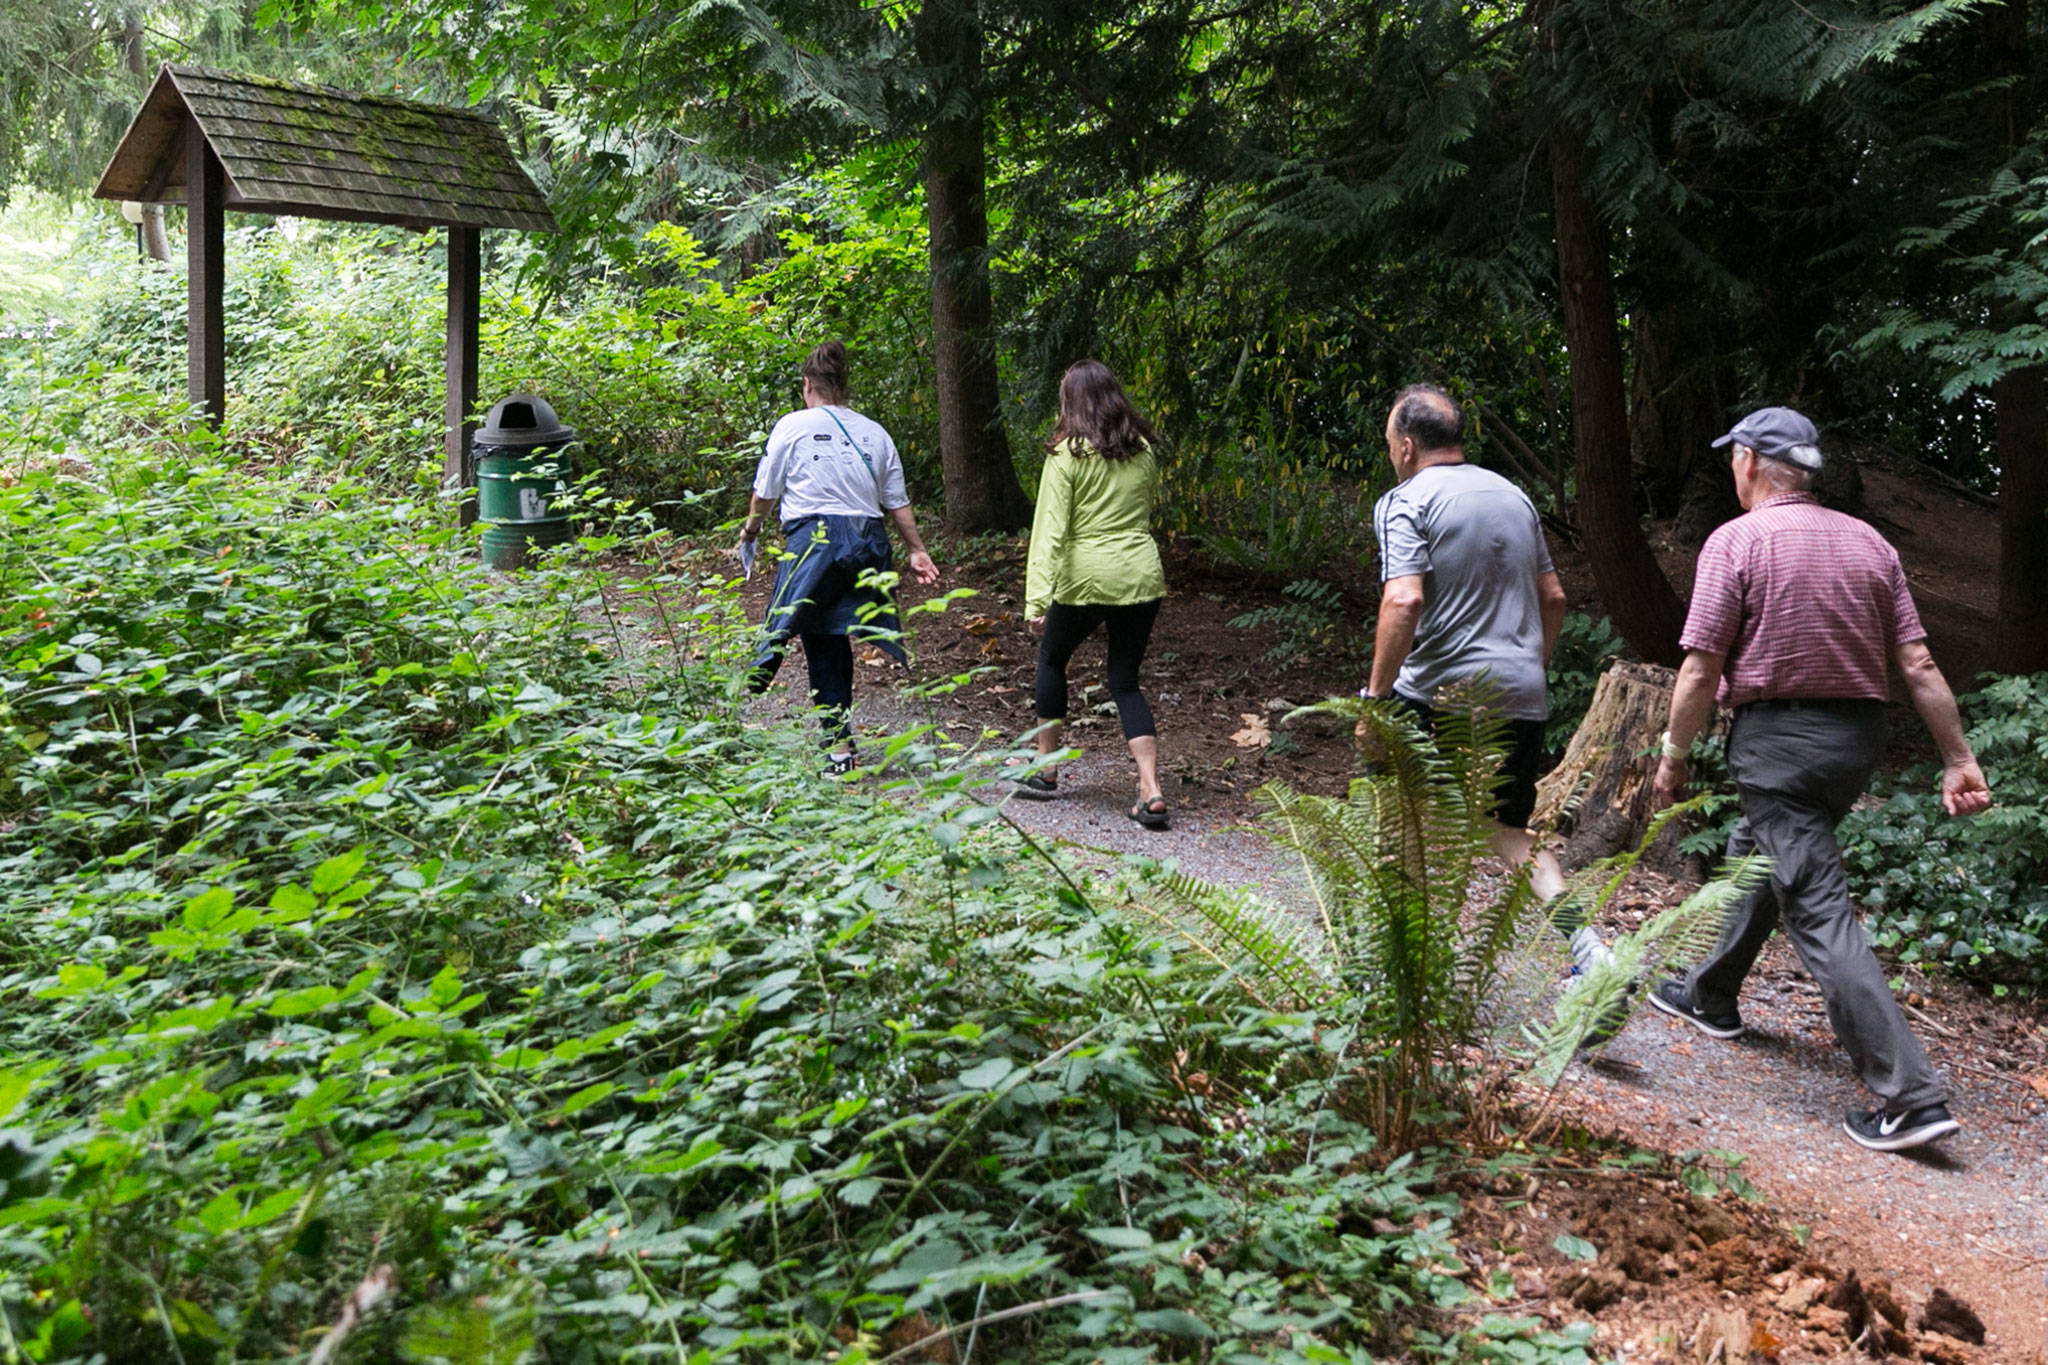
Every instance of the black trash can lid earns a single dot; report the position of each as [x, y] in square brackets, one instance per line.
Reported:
[523, 420]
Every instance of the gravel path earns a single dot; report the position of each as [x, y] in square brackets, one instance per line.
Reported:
[1090, 816]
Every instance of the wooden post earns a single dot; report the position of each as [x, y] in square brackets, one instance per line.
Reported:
[206, 374]
[465, 307]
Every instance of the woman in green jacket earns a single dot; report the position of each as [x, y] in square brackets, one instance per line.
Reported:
[1094, 563]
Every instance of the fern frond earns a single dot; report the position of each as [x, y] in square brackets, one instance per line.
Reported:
[1498, 950]
[1680, 933]
[1330, 846]
[1390, 868]
[1595, 884]
[1262, 945]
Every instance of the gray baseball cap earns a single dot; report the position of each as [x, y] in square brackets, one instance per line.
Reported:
[1778, 434]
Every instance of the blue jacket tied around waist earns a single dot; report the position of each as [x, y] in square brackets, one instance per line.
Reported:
[825, 585]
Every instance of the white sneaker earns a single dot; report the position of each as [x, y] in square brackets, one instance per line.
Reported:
[1589, 950]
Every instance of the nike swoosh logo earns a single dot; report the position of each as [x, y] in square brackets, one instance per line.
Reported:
[1889, 1124]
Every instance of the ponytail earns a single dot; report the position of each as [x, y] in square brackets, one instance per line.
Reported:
[825, 367]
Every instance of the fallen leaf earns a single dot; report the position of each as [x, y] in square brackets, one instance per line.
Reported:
[1682, 1049]
[2039, 1085]
[1256, 733]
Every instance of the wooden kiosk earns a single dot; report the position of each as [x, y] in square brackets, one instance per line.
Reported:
[213, 141]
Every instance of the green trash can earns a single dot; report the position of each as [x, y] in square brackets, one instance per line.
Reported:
[522, 478]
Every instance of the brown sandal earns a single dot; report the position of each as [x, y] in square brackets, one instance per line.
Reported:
[1152, 814]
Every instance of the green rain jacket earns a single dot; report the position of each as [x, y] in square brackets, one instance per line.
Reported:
[1091, 537]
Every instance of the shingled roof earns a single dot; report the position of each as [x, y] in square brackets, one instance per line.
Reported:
[318, 152]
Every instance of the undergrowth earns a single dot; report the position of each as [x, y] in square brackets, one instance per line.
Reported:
[1309, 626]
[335, 350]
[1970, 894]
[1585, 647]
[393, 945]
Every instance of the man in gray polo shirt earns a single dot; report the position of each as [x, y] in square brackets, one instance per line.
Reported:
[1468, 595]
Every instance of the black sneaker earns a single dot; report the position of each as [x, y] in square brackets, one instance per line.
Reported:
[1675, 1000]
[1885, 1132]
[1035, 788]
[842, 765]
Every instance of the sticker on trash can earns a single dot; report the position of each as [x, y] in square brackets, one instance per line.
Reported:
[532, 507]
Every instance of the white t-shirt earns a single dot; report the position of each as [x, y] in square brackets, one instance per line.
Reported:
[814, 470]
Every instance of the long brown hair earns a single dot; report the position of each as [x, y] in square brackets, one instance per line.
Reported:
[1094, 410]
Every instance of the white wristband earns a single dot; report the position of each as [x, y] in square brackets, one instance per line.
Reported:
[1681, 753]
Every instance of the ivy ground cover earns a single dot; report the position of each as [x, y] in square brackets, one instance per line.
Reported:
[392, 970]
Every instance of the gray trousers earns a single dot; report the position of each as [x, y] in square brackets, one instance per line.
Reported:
[1797, 771]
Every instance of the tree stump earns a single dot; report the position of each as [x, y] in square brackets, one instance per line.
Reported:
[1598, 796]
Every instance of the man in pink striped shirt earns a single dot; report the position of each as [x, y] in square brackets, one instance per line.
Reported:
[1796, 613]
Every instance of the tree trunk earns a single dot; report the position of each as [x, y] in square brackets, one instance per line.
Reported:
[156, 243]
[1598, 795]
[2022, 623]
[982, 492]
[1675, 411]
[2020, 397]
[1645, 611]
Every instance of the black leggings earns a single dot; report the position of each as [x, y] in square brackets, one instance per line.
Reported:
[1130, 629]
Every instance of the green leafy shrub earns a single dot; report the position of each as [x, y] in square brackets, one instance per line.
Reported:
[334, 344]
[1585, 647]
[47, 262]
[1718, 806]
[1310, 624]
[673, 389]
[1285, 523]
[336, 349]
[373, 931]
[1972, 893]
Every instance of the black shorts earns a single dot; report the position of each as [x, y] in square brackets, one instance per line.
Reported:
[1520, 766]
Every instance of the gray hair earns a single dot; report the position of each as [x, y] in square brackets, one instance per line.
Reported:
[1782, 475]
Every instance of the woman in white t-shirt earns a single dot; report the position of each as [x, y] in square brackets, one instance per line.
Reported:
[836, 475]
